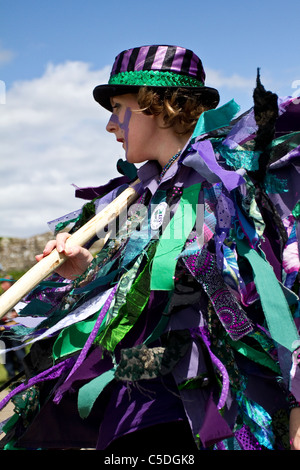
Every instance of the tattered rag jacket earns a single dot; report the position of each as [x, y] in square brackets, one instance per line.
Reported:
[190, 310]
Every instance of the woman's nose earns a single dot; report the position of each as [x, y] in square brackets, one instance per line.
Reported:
[113, 124]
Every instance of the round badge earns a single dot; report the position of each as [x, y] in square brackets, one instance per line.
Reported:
[158, 215]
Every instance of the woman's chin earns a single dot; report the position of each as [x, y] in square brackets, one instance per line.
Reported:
[130, 158]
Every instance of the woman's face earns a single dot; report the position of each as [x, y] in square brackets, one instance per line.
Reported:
[136, 131]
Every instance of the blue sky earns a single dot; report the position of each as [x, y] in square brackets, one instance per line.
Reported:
[52, 54]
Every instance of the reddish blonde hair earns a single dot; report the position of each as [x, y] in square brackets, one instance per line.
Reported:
[180, 108]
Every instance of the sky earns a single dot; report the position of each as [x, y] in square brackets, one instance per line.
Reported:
[52, 55]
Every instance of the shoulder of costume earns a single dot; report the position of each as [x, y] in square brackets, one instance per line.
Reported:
[126, 169]
[226, 143]
[97, 198]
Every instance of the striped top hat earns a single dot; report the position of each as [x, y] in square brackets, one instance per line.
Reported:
[155, 66]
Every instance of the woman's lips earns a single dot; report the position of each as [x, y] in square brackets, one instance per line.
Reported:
[122, 141]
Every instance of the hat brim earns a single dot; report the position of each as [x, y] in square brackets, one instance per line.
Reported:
[3, 279]
[103, 93]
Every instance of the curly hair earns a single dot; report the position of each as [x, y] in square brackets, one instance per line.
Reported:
[180, 107]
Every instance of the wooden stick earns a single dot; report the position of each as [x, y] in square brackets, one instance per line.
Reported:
[50, 263]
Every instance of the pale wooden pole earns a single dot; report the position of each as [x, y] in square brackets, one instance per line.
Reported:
[50, 263]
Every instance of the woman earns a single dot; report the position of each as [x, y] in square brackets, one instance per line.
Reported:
[176, 344]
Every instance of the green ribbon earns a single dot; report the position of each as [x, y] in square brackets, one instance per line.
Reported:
[72, 338]
[296, 211]
[293, 139]
[260, 357]
[89, 393]
[134, 304]
[173, 239]
[277, 313]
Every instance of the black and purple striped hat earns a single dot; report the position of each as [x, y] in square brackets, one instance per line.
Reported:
[155, 66]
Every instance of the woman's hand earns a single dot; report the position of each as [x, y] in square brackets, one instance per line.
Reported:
[78, 258]
[295, 429]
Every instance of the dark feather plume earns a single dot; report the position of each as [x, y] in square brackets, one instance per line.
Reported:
[266, 114]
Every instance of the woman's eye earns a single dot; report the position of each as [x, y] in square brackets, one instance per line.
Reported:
[116, 107]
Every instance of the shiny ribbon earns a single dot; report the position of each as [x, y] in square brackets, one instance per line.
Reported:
[258, 420]
[136, 300]
[225, 378]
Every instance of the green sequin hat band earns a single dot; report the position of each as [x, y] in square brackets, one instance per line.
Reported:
[155, 66]
[154, 78]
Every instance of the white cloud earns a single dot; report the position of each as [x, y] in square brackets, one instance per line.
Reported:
[241, 88]
[5, 55]
[52, 134]
[235, 81]
[234, 86]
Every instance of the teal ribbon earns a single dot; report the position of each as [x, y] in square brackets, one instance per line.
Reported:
[293, 139]
[275, 306]
[258, 420]
[36, 308]
[89, 393]
[173, 239]
[216, 118]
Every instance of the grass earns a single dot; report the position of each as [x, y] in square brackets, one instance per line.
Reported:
[3, 374]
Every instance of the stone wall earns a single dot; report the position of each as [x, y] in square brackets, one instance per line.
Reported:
[18, 254]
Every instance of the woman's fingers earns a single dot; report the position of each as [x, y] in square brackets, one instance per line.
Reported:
[78, 260]
[50, 245]
[74, 251]
[61, 242]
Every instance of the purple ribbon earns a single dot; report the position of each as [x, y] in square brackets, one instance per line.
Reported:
[49, 374]
[295, 374]
[89, 342]
[225, 378]
[230, 179]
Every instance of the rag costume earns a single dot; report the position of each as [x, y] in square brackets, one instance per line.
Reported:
[13, 359]
[190, 312]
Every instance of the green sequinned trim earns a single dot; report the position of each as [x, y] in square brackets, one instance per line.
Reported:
[154, 78]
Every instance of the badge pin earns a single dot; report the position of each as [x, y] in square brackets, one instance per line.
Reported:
[158, 215]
